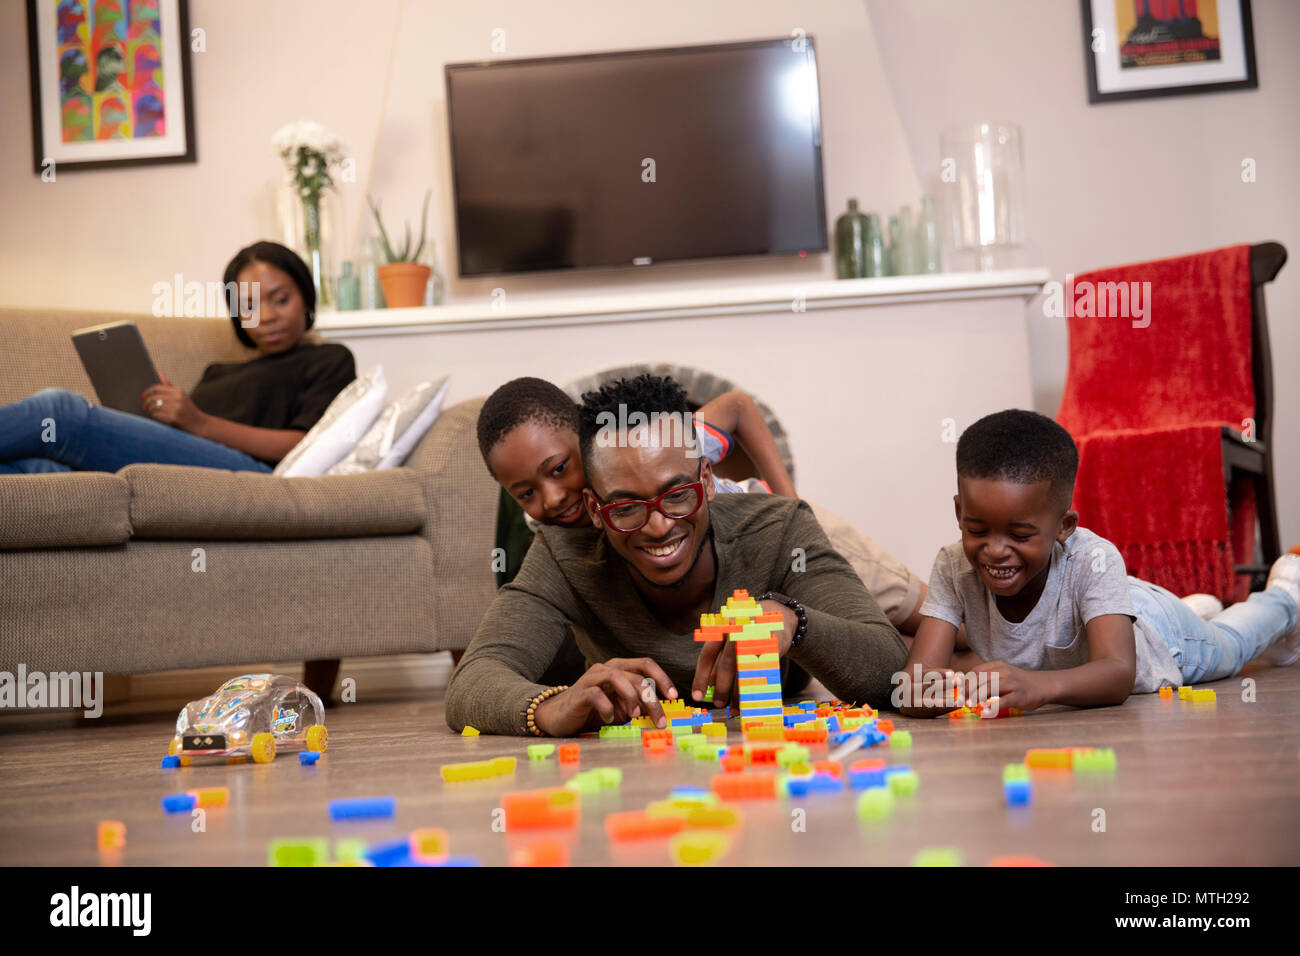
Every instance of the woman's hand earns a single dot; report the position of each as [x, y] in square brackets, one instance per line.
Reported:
[171, 405]
[608, 693]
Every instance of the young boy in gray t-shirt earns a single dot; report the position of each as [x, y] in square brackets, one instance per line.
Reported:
[1047, 605]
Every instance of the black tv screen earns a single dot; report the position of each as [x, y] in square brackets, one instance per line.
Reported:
[549, 157]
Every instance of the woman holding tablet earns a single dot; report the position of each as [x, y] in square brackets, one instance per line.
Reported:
[242, 416]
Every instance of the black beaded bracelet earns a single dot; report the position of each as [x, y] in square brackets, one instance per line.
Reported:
[792, 604]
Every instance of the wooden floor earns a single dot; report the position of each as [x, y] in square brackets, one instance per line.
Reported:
[1206, 784]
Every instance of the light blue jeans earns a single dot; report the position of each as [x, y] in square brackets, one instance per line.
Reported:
[1211, 650]
[88, 437]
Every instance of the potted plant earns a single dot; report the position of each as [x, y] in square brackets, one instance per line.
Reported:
[404, 278]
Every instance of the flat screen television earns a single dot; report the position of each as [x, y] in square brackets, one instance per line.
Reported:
[638, 157]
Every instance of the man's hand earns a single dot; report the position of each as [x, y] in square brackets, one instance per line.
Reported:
[170, 405]
[608, 693]
[1014, 687]
[717, 663]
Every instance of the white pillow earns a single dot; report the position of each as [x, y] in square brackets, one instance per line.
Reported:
[352, 412]
[397, 430]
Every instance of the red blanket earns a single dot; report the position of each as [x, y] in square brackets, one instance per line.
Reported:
[1146, 395]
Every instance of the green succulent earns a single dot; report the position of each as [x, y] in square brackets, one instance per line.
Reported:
[405, 254]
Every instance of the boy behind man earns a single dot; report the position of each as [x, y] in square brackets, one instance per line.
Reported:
[1048, 605]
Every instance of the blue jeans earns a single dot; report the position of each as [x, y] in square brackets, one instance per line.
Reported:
[57, 430]
[1211, 650]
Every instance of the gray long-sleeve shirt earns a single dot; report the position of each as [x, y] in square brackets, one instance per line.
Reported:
[572, 582]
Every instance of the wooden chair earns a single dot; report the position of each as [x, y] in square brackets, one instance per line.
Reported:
[1252, 457]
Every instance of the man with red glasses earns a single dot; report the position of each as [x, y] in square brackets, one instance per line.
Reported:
[631, 589]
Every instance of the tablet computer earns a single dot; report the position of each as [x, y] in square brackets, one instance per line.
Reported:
[118, 364]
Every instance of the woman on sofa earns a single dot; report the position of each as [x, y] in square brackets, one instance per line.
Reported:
[242, 416]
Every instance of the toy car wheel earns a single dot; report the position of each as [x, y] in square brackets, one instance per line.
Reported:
[317, 738]
[263, 748]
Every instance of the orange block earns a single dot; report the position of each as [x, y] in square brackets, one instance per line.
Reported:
[1018, 861]
[733, 761]
[871, 763]
[885, 726]
[568, 753]
[832, 767]
[1045, 758]
[541, 853]
[639, 825]
[548, 807]
[111, 835]
[745, 786]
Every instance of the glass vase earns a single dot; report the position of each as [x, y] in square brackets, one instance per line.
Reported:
[984, 187]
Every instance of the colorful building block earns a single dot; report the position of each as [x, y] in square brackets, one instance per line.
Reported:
[313, 852]
[478, 769]
[429, 844]
[1043, 758]
[540, 751]
[308, 758]
[900, 740]
[938, 856]
[469, 731]
[745, 786]
[1018, 793]
[875, 804]
[178, 802]
[363, 808]
[170, 762]
[903, 781]
[638, 825]
[548, 807]
[1205, 694]
[1167, 693]
[698, 847]
[211, 796]
[110, 835]
[541, 853]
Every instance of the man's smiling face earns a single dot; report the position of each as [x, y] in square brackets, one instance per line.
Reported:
[665, 550]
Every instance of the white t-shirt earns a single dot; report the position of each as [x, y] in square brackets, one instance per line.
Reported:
[1086, 579]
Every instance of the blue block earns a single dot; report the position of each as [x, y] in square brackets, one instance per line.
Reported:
[832, 723]
[792, 719]
[761, 712]
[364, 808]
[764, 694]
[308, 757]
[862, 779]
[807, 705]
[876, 737]
[844, 736]
[687, 792]
[1018, 792]
[457, 861]
[391, 853]
[178, 802]
[817, 783]
[773, 674]
[169, 762]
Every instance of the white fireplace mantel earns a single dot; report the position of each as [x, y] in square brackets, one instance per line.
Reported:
[533, 311]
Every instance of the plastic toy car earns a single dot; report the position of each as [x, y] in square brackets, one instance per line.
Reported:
[256, 715]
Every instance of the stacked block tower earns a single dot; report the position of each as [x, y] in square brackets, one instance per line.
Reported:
[758, 663]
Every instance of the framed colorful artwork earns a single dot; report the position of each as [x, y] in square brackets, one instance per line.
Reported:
[1140, 48]
[110, 83]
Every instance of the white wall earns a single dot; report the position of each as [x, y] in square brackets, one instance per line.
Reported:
[1117, 182]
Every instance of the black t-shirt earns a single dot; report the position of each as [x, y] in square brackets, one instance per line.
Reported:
[288, 390]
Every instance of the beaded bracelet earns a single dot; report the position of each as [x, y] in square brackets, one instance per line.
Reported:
[795, 606]
[531, 713]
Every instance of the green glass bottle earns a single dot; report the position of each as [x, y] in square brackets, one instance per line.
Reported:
[876, 256]
[851, 243]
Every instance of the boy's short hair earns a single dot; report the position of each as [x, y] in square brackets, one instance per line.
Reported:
[647, 394]
[523, 400]
[1022, 447]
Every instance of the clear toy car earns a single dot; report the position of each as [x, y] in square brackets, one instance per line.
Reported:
[256, 715]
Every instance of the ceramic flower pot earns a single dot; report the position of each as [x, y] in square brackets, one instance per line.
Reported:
[404, 284]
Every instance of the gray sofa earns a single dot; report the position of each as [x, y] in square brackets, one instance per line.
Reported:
[97, 570]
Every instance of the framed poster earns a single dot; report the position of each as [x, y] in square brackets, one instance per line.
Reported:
[110, 83]
[1141, 48]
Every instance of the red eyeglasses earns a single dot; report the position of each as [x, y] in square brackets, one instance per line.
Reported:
[633, 515]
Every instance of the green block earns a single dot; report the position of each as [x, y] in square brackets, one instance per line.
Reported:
[540, 751]
[610, 777]
[585, 782]
[1015, 771]
[620, 732]
[350, 850]
[792, 753]
[680, 729]
[938, 856]
[853, 723]
[708, 694]
[314, 852]
[903, 783]
[1101, 761]
[690, 741]
[875, 804]
[708, 752]
[900, 740]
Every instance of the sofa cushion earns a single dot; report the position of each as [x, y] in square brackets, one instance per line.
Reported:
[63, 509]
[174, 501]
